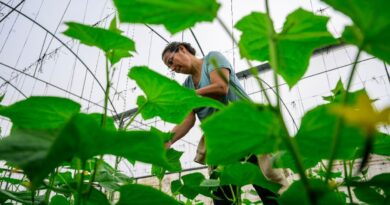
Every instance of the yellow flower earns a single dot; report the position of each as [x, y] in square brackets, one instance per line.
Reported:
[363, 114]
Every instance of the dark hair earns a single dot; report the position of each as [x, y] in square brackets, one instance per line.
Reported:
[174, 47]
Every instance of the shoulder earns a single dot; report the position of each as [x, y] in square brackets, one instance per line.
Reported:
[217, 59]
[215, 54]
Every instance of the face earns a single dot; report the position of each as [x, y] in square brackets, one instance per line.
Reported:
[177, 61]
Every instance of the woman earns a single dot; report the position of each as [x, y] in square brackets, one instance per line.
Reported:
[213, 76]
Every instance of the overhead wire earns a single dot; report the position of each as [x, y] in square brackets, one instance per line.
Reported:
[24, 46]
[12, 10]
[16, 88]
[50, 84]
[387, 72]
[157, 33]
[261, 80]
[41, 57]
[319, 73]
[67, 47]
[233, 46]
[12, 27]
[52, 38]
[70, 85]
[39, 60]
[197, 42]
[98, 58]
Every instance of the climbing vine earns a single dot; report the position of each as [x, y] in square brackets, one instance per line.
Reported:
[59, 151]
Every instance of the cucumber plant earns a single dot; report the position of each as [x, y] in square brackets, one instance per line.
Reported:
[57, 152]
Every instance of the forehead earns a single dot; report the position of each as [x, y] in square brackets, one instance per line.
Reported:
[166, 56]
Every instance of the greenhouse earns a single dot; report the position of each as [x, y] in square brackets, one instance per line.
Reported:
[194, 102]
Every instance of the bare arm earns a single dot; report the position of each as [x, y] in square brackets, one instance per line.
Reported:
[218, 86]
[182, 129]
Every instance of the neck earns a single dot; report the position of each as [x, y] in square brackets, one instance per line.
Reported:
[196, 67]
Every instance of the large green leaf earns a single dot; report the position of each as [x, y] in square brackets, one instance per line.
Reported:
[115, 45]
[242, 174]
[190, 186]
[321, 193]
[338, 94]
[382, 144]
[369, 195]
[38, 152]
[40, 112]
[173, 157]
[315, 138]
[135, 194]
[371, 25]
[24, 197]
[63, 178]
[165, 97]
[1, 98]
[109, 178]
[257, 129]
[380, 181]
[94, 197]
[302, 33]
[175, 15]
[134, 145]
[59, 200]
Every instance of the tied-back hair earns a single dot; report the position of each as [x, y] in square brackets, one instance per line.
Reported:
[174, 47]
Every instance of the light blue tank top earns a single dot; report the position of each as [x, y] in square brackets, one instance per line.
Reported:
[211, 61]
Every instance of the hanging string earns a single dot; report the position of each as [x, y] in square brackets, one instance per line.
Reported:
[24, 46]
[319, 73]
[6, 40]
[97, 61]
[16, 88]
[69, 87]
[48, 83]
[326, 71]
[63, 44]
[233, 46]
[52, 38]
[120, 74]
[323, 11]
[1, 9]
[150, 47]
[12, 27]
[387, 72]
[12, 10]
[127, 79]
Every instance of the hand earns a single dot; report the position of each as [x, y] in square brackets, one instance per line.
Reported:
[168, 144]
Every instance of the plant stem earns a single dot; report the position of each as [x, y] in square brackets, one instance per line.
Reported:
[80, 184]
[106, 94]
[253, 70]
[9, 176]
[339, 122]
[347, 178]
[273, 58]
[93, 174]
[51, 182]
[224, 194]
[293, 149]
[133, 117]
[233, 194]
[291, 146]
[255, 74]
[13, 197]
[238, 191]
